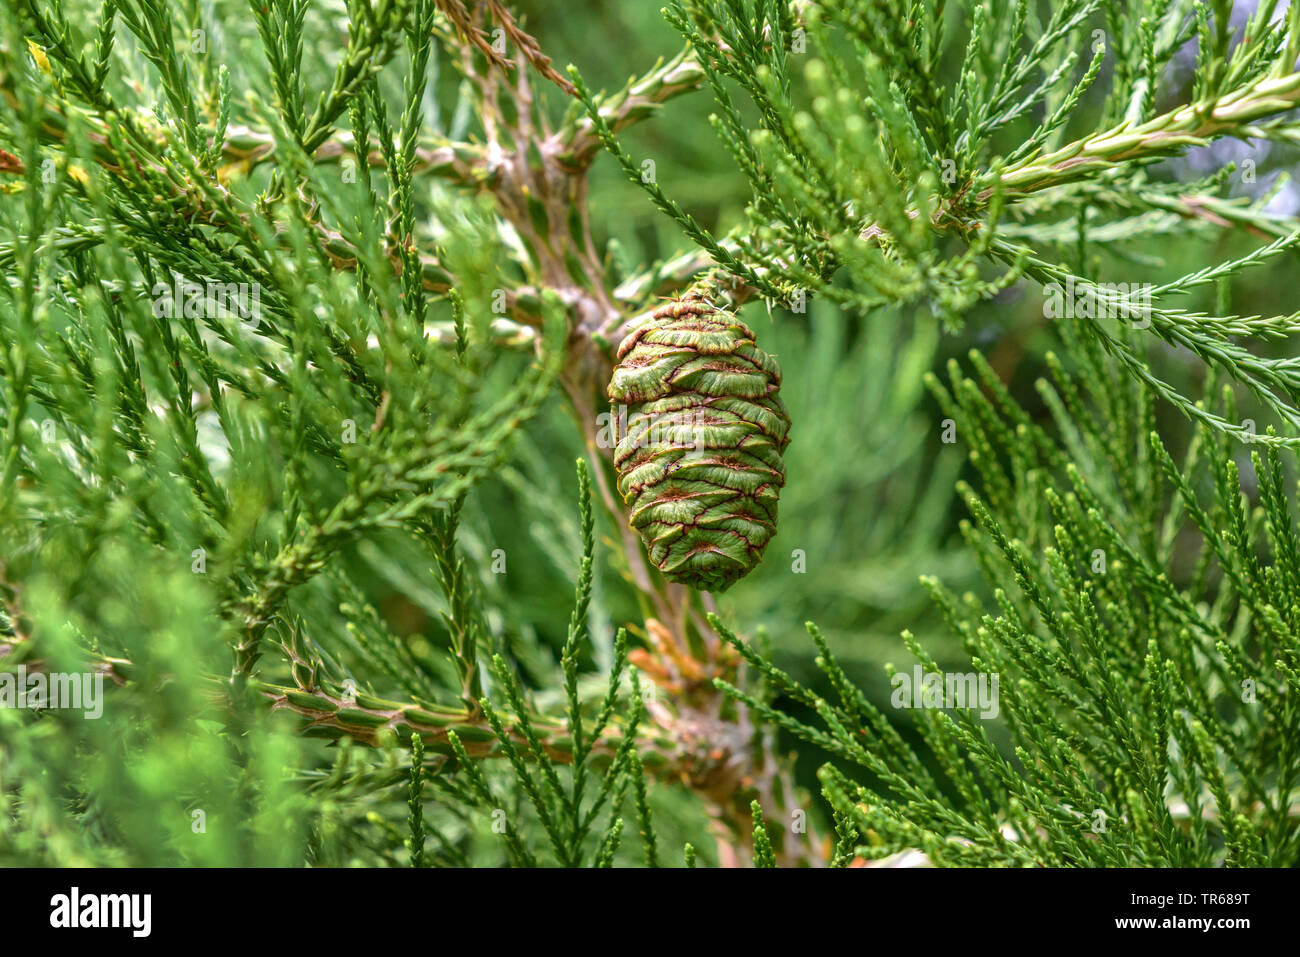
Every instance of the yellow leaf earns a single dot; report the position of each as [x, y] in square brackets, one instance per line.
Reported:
[228, 172]
[42, 61]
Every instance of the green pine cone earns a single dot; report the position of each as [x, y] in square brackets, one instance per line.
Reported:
[699, 461]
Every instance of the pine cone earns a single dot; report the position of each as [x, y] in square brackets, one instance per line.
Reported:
[699, 461]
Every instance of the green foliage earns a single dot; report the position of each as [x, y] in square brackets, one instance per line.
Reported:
[858, 192]
[1151, 708]
[308, 309]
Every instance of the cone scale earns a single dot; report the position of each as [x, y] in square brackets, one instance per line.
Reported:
[699, 463]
